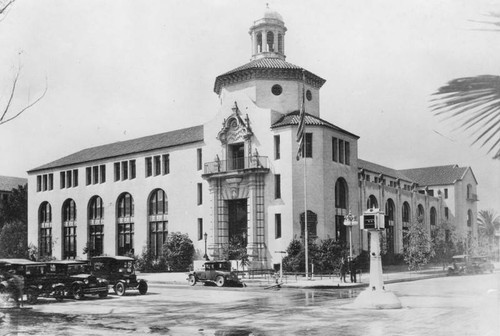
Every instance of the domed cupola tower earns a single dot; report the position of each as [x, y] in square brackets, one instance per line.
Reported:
[268, 36]
[268, 80]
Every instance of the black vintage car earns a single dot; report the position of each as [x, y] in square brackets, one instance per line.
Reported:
[218, 272]
[120, 272]
[76, 277]
[36, 281]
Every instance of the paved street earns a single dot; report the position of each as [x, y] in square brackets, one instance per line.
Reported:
[466, 305]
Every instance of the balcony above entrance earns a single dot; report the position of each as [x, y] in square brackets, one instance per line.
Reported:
[239, 166]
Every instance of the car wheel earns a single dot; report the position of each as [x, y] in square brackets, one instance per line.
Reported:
[32, 298]
[220, 281]
[143, 287]
[59, 294]
[102, 295]
[77, 292]
[120, 288]
[4, 294]
[192, 280]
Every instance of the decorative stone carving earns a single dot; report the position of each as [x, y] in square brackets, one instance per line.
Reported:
[235, 128]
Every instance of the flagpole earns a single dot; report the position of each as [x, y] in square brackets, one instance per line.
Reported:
[306, 226]
[306, 235]
[302, 153]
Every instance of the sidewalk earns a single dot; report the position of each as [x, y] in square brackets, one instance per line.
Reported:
[292, 281]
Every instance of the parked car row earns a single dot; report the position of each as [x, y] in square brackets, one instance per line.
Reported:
[69, 278]
[464, 264]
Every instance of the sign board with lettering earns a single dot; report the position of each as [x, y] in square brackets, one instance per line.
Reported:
[372, 219]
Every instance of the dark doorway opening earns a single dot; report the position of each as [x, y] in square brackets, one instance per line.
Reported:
[236, 156]
[237, 219]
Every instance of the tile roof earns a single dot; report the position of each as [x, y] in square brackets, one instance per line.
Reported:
[436, 175]
[292, 118]
[147, 143]
[7, 183]
[267, 67]
[376, 168]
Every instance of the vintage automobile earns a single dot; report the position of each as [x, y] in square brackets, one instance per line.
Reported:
[77, 280]
[120, 272]
[464, 264]
[36, 282]
[481, 264]
[218, 272]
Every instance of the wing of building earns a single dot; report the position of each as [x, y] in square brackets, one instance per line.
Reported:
[238, 176]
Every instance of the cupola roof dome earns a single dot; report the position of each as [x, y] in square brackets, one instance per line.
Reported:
[271, 14]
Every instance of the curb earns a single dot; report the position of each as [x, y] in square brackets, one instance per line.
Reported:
[261, 284]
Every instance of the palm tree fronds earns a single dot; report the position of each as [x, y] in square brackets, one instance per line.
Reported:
[478, 100]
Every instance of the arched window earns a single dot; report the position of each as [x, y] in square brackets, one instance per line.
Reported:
[69, 229]
[433, 216]
[341, 194]
[259, 42]
[45, 230]
[421, 212]
[312, 222]
[281, 47]
[158, 221]
[96, 227]
[270, 41]
[372, 202]
[406, 223]
[389, 225]
[125, 224]
[469, 218]
[406, 213]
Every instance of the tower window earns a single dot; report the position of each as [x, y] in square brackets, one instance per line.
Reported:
[270, 41]
[276, 89]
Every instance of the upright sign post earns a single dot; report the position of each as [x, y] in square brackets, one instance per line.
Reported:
[375, 296]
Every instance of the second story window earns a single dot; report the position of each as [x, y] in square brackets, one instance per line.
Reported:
[157, 165]
[200, 193]
[277, 149]
[199, 159]
[445, 193]
[45, 182]
[117, 171]
[277, 186]
[309, 145]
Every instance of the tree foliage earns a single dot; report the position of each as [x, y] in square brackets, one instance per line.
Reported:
[14, 224]
[475, 103]
[418, 250]
[488, 223]
[15, 207]
[236, 249]
[325, 256]
[14, 240]
[444, 243]
[178, 251]
[148, 261]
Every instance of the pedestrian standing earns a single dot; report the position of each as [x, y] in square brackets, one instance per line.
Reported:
[352, 270]
[343, 269]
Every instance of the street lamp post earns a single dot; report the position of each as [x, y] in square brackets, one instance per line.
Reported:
[205, 237]
[350, 221]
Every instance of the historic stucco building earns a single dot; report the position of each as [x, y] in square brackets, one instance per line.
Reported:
[236, 176]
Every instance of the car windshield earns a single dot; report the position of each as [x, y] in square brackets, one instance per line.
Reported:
[126, 267]
[77, 269]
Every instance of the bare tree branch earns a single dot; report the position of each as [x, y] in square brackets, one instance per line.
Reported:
[4, 8]
[18, 113]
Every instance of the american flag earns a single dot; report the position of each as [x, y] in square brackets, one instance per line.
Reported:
[302, 122]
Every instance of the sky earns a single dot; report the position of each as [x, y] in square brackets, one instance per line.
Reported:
[118, 70]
